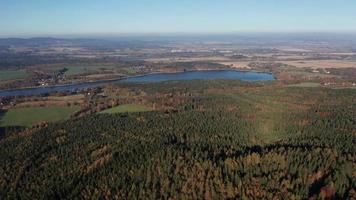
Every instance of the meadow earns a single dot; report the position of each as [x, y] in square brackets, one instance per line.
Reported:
[33, 115]
[305, 84]
[12, 75]
[78, 70]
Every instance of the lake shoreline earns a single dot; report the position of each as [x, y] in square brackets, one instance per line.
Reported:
[145, 78]
[128, 77]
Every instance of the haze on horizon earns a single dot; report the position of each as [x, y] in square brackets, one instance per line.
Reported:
[90, 17]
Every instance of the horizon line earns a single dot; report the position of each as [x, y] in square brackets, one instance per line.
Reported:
[167, 34]
[162, 34]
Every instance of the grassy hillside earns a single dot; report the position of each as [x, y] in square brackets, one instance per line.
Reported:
[222, 140]
[31, 116]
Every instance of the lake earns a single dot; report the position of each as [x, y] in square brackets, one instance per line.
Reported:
[188, 75]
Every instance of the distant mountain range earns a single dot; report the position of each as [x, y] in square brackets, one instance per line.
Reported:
[48, 41]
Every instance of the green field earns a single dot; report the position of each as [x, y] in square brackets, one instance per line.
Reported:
[126, 108]
[67, 98]
[130, 70]
[75, 70]
[31, 116]
[10, 75]
[85, 69]
[305, 84]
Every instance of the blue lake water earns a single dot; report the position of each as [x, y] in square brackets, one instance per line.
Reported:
[192, 75]
[189, 75]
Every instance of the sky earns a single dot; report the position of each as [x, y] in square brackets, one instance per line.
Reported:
[80, 17]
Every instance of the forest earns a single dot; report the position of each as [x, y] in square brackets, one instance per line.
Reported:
[212, 139]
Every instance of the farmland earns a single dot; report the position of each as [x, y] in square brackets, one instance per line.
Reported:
[77, 70]
[11, 75]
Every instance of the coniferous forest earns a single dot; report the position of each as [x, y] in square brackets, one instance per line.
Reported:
[215, 139]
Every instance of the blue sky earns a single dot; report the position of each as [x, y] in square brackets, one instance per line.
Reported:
[56, 17]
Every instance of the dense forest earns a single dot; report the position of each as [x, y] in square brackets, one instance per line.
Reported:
[205, 140]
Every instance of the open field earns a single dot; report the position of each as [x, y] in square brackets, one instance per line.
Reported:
[190, 59]
[129, 70]
[305, 84]
[102, 76]
[61, 101]
[75, 71]
[236, 64]
[67, 98]
[322, 63]
[126, 108]
[34, 115]
[85, 69]
[11, 75]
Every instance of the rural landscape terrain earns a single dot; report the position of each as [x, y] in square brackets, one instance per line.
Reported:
[290, 137]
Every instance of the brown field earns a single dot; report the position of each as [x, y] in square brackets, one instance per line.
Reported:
[236, 64]
[292, 49]
[183, 59]
[322, 64]
[290, 57]
[66, 98]
[53, 101]
[341, 53]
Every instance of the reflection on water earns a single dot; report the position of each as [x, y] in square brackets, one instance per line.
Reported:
[189, 75]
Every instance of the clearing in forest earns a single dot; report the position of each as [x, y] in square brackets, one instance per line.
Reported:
[32, 116]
